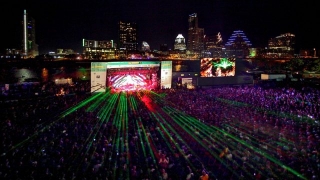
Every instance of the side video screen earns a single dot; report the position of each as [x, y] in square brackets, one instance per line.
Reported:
[217, 67]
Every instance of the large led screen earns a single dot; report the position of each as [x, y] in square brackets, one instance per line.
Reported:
[217, 67]
[133, 76]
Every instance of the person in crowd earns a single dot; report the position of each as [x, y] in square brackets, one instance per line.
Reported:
[204, 175]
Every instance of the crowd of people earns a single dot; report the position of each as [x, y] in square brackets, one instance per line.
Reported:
[284, 122]
[247, 132]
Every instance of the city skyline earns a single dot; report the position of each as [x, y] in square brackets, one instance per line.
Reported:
[63, 25]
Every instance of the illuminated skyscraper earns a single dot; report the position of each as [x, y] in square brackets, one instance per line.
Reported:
[195, 35]
[145, 46]
[180, 43]
[213, 45]
[213, 41]
[238, 40]
[30, 48]
[128, 35]
[238, 44]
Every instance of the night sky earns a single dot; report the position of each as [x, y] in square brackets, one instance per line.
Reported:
[63, 24]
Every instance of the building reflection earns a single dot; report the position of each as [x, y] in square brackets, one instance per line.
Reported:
[45, 75]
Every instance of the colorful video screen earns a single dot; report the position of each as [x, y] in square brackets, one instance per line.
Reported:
[133, 76]
[217, 67]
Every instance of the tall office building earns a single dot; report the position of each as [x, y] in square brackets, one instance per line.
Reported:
[213, 41]
[30, 48]
[180, 43]
[238, 40]
[145, 46]
[213, 45]
[128, 36]
[238, 44]
[195, 35]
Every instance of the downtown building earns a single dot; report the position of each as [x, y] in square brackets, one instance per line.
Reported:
[281, 46]
[128, 36]
[100, 50]
[179, 48]
[238, 45]
[29, 46]
[195, 35]
[213, 45]
[180, 43]
[145, 47]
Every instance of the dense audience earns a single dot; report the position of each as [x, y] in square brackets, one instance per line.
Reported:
[283, 121]
[59, 132]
